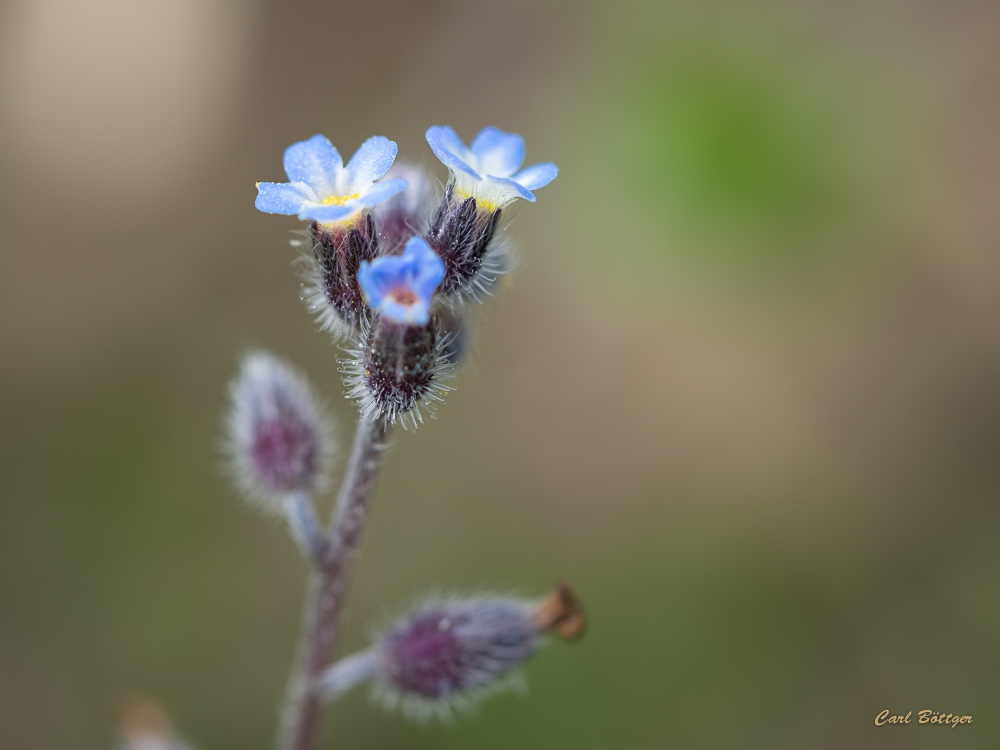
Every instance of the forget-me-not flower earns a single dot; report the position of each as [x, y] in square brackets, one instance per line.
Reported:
[489, 170]
[321, 188]
[400, 287]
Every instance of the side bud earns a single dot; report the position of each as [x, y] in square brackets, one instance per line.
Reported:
[448, 653]
[398, 364]
[278, 437]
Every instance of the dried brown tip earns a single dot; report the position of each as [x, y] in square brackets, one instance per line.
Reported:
[140, 718]
[561, 614]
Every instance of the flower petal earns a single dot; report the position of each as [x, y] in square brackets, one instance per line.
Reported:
[314, 162]
[500, 154]
[429, 279]
[318, 212]
[448, 147]
[428, 266]
[280, 198]
[380, 191]
[537, 175]
[372, 282]
[370, 162]
[507, 190]
[416, 313]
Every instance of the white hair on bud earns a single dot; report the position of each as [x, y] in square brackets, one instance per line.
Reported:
[374, 405]
[464, 649]
[279, 437]
[497, 263]
[314, 290]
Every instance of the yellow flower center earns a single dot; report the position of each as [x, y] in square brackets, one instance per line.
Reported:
[482, 202]
[338, 200]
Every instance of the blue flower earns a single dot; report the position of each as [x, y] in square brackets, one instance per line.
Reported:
[400, 287]
[488, 169]
[322, 189]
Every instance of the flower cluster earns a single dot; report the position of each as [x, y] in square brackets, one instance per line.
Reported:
[389, 262]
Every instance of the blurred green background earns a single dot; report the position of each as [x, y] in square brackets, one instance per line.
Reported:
[742, 392]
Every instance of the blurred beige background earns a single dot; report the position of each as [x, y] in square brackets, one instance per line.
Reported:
[742, 392]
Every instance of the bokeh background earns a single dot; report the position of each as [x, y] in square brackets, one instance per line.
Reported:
[742, 390]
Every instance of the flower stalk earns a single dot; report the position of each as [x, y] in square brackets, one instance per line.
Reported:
[328, 588]
[304, 528]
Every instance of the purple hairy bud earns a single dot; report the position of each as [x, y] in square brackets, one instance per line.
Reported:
[450, 652]
[461, 233]
[338, 250]
[397, 369]
[279, 439]
[446, 650]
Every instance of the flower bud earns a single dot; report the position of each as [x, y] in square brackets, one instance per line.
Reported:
[398, 371]
[449, 652]
[279, 439]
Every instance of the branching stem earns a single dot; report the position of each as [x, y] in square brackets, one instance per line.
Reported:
[328, 588]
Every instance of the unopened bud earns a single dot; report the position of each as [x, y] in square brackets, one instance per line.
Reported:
[450, 652]
[279, 439]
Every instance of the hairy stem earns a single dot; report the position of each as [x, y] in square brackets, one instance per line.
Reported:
[328, 587]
